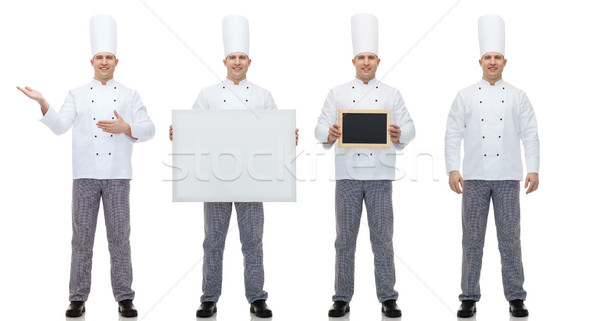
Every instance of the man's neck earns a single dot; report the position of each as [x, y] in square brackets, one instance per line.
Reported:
[365, 81]
[492, 81]
[236, 81]
[103, 81]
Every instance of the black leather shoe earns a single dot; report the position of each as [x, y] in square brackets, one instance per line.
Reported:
[518, 309]
[467, 309]
[127, 309]
[261, 309]
[339, 309]
[76, 309]
[206, 309]
[390, 309]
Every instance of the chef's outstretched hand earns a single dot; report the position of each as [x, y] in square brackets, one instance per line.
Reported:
[395, 133]
[37, 96]
[456, 182]
[171, 132]
[334, 133]
[532, 181]
[116, 126]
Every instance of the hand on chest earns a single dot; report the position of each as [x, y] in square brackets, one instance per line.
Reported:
[99, 104]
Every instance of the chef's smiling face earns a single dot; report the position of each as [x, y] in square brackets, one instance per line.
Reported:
[237, 65]
[366, 64]
[492, 64]
[104, 65]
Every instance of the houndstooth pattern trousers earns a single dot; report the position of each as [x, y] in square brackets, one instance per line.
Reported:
[475, 208]
[250, 218]
[86, 202]
[377, 196]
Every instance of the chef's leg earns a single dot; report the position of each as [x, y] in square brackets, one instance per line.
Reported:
[251, 218]
[216, 225]
[85, 204]
[380, 213]
[507, 213]
[475, 208]
[115, 200]
[349, 196]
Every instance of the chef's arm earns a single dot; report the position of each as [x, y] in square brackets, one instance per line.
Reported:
[141, 126]
[327, 130]
[402, 131]
[455, 131]
[529, 135]
[37, 96]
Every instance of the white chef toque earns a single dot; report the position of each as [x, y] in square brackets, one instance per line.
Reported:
[103, 34]
[236, 35]
[365, 33]
[491, 34]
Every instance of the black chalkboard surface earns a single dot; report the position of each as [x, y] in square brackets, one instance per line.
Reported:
[364, 127]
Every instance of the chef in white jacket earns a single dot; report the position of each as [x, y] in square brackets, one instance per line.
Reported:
[107, 118]
[235, 92]
[491, 118]
[364, 174]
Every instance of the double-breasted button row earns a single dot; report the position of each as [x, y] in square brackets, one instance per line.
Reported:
[503, 88]
[93, 88]
[248, 87]
[353, 100]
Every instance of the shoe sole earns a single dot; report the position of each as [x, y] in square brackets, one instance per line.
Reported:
[391, 314]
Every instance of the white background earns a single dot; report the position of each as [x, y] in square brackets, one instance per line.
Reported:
[300, 49]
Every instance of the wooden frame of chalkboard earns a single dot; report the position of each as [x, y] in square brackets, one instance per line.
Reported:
[364, 128]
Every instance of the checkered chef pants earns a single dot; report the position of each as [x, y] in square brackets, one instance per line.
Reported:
[475, 208]
[250, 218]
[86, 202]
[349, 196]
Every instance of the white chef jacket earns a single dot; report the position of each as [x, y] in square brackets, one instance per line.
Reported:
[97, 154]
[365, 163]
[491, 120]
[227, 95]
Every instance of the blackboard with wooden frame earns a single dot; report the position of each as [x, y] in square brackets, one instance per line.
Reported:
[364, 128]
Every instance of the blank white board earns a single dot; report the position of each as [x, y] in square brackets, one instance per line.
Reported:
[234, 156]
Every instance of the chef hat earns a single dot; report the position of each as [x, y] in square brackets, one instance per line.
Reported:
[236, 35]
[103, 34]
[365, 33]
[491, 34]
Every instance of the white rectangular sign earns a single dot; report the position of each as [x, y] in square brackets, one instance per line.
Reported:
[234, 156]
